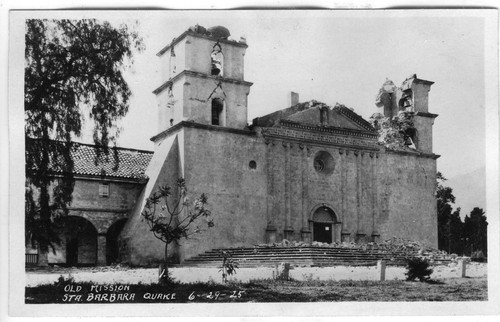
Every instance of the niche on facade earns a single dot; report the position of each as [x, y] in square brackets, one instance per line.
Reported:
[323, 162]
[323, 115]
[252, 165]
[217, 111]
[217, 59]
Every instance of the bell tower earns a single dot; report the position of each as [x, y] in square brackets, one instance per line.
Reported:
[412, 96]
[203, 80]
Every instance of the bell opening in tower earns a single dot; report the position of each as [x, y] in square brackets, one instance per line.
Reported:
[217, 108]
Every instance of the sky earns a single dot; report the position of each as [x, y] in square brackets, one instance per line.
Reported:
[335, 56]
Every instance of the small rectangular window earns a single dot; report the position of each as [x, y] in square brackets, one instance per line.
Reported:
[104, 190]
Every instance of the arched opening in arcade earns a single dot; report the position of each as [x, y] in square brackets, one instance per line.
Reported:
[112, 245]
[326, 227]
[78, 243]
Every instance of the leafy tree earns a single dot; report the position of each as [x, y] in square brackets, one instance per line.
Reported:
[73, 69]
[455, 235]
[455, 227]
[445, 198]
[476, 232]
[171, 218]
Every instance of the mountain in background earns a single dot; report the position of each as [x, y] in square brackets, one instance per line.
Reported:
[469, 190]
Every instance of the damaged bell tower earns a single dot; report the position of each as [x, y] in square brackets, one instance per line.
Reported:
[412, 96]
[203, 80]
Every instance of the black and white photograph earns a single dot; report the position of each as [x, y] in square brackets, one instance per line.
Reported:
[253, 162]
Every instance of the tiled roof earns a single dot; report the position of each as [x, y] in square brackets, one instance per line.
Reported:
[131, 163]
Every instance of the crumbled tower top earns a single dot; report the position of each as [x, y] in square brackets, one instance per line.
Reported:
[219, 32]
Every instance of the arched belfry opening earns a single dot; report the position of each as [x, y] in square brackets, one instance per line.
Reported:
[217, 111]
[217, 59]
[325, 225]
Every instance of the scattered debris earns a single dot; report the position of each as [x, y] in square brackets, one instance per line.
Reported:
[400, 246]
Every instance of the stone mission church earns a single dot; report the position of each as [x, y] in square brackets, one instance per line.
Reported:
[309, 172]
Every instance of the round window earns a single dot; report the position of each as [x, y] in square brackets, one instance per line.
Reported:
[323, 162]
[252, 165]
[319, 165]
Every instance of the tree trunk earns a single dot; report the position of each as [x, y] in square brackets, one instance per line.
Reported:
[163, 274]
[43, 258]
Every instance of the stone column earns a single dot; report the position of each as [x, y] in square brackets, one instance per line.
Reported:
[375, 202]
[343, 176]
[271, 224]
[357, 157]
[305, 231]
[101, 249]
[360, 233]
[345, 232]
[288, 231]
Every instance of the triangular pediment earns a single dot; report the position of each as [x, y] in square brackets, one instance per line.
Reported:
[315, 113]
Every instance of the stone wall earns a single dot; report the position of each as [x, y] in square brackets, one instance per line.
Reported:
[99, 213]
[198, 99]
[347, 187]
[408, 206]
[138, 246]
[198, 59]
[218, 163]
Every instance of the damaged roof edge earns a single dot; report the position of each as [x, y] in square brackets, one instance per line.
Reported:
[195, 34]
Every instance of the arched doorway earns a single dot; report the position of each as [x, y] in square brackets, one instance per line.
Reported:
[78, 241]
[325, 225]
[112, 247]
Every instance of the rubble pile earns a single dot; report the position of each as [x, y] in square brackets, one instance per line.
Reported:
[396, 246]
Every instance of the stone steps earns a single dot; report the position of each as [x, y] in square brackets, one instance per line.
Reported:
[300, 256]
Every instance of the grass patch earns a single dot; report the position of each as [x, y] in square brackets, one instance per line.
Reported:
[474, 289]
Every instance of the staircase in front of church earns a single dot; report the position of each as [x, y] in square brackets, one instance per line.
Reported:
[302, 256]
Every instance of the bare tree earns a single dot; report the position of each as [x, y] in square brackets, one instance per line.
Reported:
[172, 217]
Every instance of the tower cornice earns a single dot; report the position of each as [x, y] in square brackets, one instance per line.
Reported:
[198, 35]
[199, 75]
[426, 114]
[197, 125]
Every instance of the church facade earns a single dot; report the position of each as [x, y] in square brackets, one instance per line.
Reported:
[310, 172]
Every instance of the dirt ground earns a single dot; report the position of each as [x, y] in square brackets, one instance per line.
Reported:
[106, 275]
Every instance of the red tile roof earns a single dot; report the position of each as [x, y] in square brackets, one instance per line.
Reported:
[131, 163]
